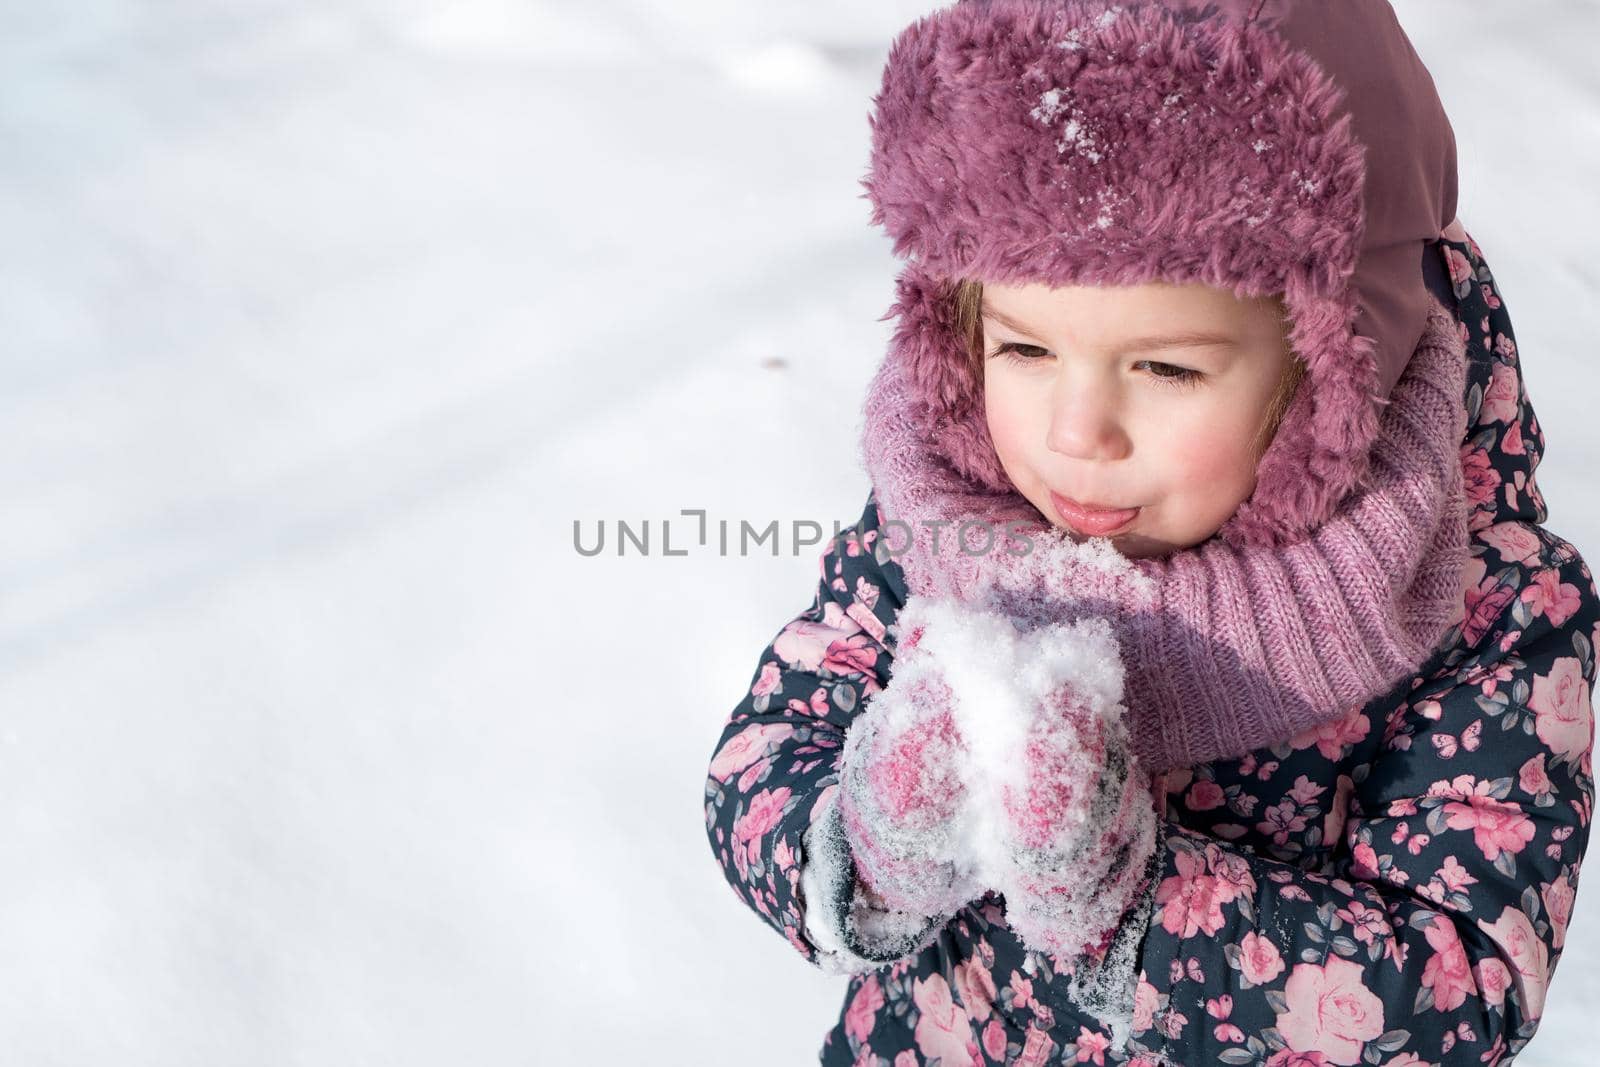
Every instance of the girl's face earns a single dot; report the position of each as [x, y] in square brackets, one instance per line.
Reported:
[1150, 397]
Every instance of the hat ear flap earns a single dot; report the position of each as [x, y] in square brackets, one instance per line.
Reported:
[945, 392]
[1321, 451]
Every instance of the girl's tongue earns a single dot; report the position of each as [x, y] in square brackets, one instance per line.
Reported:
[1095, 522]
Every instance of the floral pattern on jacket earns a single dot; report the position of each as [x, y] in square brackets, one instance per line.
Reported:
[1392, 887]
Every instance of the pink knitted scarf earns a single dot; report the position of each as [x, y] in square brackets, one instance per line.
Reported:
[1226, 649]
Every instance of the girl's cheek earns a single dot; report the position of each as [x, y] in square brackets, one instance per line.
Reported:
[1214, 452]
[1010, 424]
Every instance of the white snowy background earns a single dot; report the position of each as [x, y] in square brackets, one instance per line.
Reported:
[320, 323]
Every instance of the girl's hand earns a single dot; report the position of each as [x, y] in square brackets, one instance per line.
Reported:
[997, 758]
[903, 793]
[1077, 827]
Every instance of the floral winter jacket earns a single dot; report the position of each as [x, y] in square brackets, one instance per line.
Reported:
[1390, 888]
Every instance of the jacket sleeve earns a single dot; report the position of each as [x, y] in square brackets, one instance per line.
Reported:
[1431, 935]
[772, 774]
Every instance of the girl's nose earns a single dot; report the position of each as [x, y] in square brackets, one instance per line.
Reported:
[1085, 424]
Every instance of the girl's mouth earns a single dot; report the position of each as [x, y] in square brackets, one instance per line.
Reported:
[1091, 521]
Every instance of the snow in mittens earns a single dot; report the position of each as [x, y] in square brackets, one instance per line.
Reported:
[1002, 677]
[1039, 713]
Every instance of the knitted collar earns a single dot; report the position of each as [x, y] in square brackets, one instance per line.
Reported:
[1226, 648]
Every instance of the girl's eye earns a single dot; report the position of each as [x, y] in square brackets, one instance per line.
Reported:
[1167, 373]
[1175, 375]
[1015, 352]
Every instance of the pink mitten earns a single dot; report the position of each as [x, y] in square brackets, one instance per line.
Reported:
[1078, 820]
[902, 789]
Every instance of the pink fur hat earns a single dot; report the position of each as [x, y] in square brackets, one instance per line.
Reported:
[1292, 147]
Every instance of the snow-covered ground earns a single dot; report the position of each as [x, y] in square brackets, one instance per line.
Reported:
[320, 324]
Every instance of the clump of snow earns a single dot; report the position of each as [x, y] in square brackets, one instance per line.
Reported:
[1050, 105]
[1107, 17]
[1002, 678]
[1061, 577]
[1073, 41]
[1110, 201]
[1075, 132]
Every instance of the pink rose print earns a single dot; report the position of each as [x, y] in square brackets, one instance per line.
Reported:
[1485, 600]
[764, 813]
[1493, 980]
[1021, 990]
[1036, 1048]
[1496, 825]
[1511, 441]
[1482, 483]
[1330, 1011]
[1232, 872]
[1549, 596]
[1331, 737]
[803, 644]
[747, 747]
[1530, 959]
[1455, 876]
[1282, 820]
[1452, 878]
[1363, 861]
[994, 1040]
[1533, 778]
[1515, 541]
[1410, 1059]
[1189, 899]
[1145, 1001]
[1092, 1047]
[1291, 1058]
[1259, 959]
[866, 594]
[1557, 897]
[1366, 924]
[943, 1029]
[1500, 399]
[975, 988]
[863, 1009]
[1560, 699]
[855, 655]
[753, 774]
[769, 681]
[1204, 795]
[1448, 972]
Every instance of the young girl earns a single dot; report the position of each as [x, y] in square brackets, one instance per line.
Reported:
[1200, 684]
